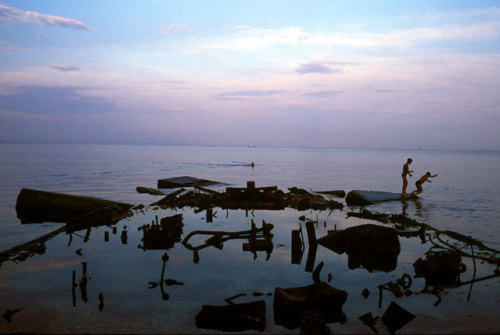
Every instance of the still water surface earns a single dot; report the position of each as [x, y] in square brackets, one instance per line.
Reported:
[464, 198]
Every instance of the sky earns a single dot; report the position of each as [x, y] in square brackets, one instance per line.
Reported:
[358, 74]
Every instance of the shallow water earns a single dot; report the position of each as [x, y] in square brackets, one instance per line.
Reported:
[463, 198]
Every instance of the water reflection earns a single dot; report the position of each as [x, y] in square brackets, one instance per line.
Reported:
[169, 282]
[362, 246]
[233, 317]
[369, 246]
[259, 239]
[297, 245]
[163, 235]
[309, 307]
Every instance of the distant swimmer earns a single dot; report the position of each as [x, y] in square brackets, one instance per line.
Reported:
[406, 171]
[422, 180]
[253, 164]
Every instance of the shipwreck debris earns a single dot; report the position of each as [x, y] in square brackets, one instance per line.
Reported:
[335, 193]
[291, 305]
[250, 197]
[35, 206]
[258, 239]
[148, 190]
[440, 268]
[369, 320]
[9, 313]
[396, 317]
[184, 181]
[399, 288]
[297, 245]
[233, 317]
[368, 246]
[163, 235]
[363, 198]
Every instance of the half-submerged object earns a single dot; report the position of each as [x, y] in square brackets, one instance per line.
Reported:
[363, 198]
[293, 304]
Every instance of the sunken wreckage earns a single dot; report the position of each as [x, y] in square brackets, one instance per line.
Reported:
[310, 306]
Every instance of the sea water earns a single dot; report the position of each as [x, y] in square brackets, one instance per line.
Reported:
[464, 198]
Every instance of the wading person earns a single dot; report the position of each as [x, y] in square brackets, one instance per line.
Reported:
[406, 171]
[422, 180]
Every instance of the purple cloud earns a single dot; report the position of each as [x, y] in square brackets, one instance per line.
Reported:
[240, 95]
[15, 15]
[381, 90]
[64, 68]
[323, 94]
[316, 67]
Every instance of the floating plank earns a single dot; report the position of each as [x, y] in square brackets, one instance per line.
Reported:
[184, 181]
[152, 191]
[336, 193]
[363, 198]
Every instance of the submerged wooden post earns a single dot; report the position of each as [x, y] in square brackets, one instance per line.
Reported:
[297, 247]
[311, 257]
[83, 282]
[311, 233]
[73, 286]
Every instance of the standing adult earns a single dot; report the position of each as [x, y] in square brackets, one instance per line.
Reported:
[406, 171]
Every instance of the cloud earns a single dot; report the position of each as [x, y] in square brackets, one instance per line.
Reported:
[55, 101]
[15, 15]
[323, 94]
[7, 47]
[64, 68]
[383, 90]
[177, 29]
[240, 95]
[316, 67]
[248, 38]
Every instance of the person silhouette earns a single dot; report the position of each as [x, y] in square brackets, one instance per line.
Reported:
[422, 180]
[406, 171]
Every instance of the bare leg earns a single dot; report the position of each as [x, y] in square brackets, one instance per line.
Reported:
[405, 183]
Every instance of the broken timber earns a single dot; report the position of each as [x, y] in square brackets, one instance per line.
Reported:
[250, 197]
[35, 206]
[184, 181]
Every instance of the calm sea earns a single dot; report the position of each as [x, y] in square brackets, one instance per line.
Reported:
[465, 198]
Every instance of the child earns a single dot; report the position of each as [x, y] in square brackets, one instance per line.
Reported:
[422, 180]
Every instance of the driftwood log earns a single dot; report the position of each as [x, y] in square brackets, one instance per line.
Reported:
[35, 206]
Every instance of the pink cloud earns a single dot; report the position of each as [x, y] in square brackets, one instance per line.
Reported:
[15, 15]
